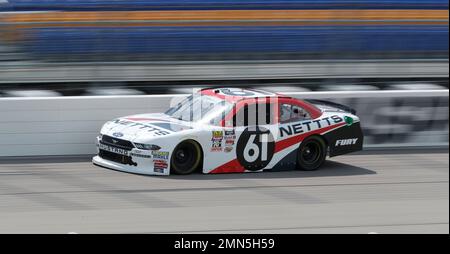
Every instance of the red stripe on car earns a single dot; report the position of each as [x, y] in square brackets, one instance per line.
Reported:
[230, 167]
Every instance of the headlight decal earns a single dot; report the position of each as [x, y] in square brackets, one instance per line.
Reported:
[147, 146]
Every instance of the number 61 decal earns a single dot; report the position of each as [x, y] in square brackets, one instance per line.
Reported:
[255, 148]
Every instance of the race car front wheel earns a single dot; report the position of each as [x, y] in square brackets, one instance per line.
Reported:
[311, 153]
[186, 157]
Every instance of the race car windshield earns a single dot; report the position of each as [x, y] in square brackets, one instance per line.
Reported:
[200, 108]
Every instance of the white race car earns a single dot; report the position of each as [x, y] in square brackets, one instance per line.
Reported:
[229, 130]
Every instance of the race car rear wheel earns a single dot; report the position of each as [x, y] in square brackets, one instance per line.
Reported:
[186, 157]
[311, 153]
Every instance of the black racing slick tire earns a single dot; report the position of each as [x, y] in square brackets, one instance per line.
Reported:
[186, 158]
[311, 154]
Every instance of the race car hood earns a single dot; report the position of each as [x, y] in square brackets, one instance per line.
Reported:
[144, 126]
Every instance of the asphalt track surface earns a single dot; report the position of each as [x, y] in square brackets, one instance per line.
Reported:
[396, 192]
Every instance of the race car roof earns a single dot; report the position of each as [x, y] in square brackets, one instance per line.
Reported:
[236, 94]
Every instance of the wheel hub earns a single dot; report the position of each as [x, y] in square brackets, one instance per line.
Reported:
[181, 155]
[310, 153]
[186, 158]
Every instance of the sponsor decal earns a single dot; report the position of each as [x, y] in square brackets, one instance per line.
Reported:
[160, 155]
[113, 149]
[305, 126]
[230, 134]
[217, 138]
[216, 146]
[134, 154]
[230, 137]
[346, 142]
[149, 128]
[229, 142]
[348, 120]
[228, 149]
[217, 134]
[159, 166]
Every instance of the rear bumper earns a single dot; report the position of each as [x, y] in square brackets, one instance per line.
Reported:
[347, 139]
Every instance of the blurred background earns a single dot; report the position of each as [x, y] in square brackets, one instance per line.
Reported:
[75, 47]
[156, 30]
[57, 48]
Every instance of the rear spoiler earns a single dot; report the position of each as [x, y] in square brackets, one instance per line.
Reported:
[331, 104]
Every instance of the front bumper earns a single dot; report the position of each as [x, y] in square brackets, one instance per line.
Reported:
[144, 162]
